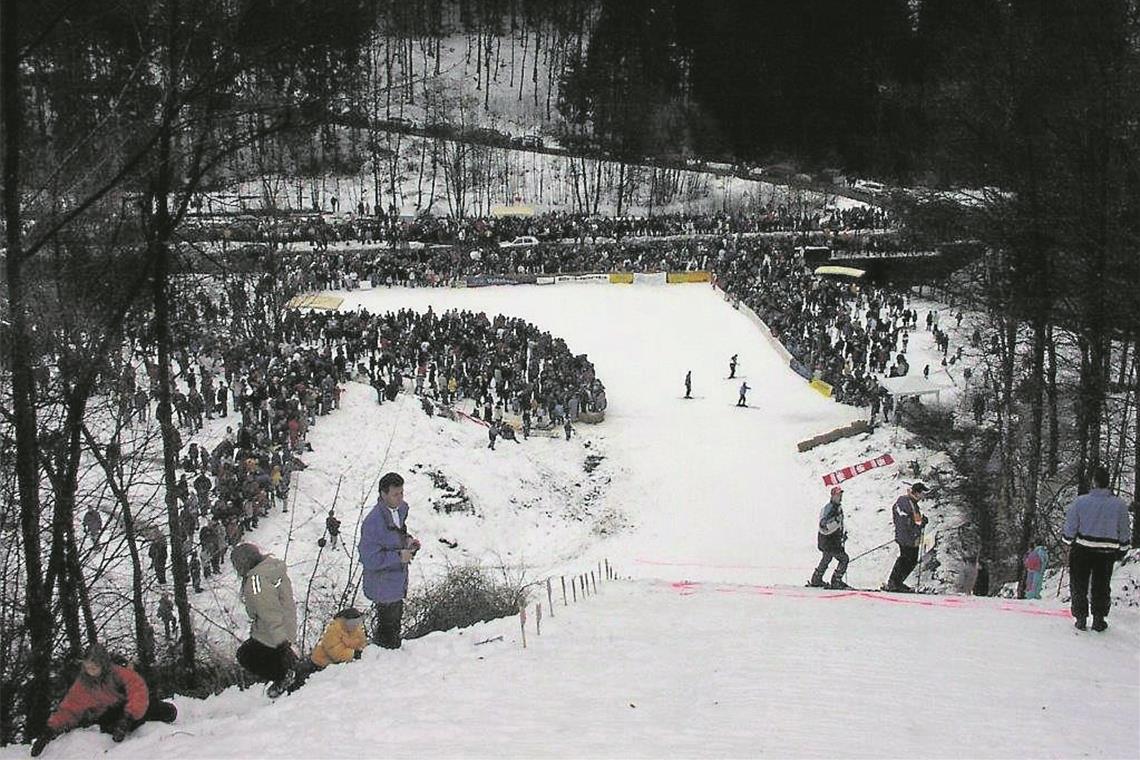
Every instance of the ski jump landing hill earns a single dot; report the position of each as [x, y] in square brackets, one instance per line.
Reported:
[708, 646]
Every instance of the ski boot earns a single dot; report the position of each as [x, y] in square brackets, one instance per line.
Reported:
[837, 583]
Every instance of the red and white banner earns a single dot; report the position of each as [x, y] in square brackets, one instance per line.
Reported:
[837, 477]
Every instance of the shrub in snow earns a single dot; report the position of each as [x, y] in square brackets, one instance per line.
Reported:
[464, 596]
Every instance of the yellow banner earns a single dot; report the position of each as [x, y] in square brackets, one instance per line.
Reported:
[621, 278]
[332, 303]
[821, 387]
[672, 277]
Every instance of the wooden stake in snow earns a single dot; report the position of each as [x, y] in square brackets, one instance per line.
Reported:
[549, 598]
[522, 622]
[564, 602]
[593, 583]
[609, 574]
[574, 589]
[538, 618]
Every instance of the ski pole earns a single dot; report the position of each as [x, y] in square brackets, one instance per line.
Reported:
[874, 549]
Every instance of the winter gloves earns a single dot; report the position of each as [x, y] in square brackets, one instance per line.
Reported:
[41, 742]
[121, 729]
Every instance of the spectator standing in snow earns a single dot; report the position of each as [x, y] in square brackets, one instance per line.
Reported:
[386, 549]
[166, 615]
[111, 696]
[157, 552]
[1034, 561]
[830, 540]
[332, 527]
[1097, 534]
[909, 522]
[268, 597]
[93, 525]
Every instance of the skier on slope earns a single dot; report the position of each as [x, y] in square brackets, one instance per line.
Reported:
[743, 400]
[830, 540]
[689, 384]
[732, 368]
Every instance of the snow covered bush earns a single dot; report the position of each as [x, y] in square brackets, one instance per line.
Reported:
[466, 595]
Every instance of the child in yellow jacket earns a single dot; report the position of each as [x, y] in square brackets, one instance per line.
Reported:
[343, 640]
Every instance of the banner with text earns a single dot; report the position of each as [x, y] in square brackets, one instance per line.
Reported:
[837, 477]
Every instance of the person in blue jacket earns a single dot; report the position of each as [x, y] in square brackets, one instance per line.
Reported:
[1097, 534]
[386, 549]
[830, 541]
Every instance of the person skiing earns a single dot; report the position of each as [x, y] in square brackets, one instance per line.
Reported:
[830, 540]
[1097, 534]
[111, 696]
[909, 522]
[268, 597]
[492, 434]
[732, 368]
[743, 400]
[689, 384]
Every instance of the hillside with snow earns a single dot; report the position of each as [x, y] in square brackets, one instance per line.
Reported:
[708, 645]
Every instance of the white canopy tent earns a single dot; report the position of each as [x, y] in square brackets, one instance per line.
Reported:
[911, 385]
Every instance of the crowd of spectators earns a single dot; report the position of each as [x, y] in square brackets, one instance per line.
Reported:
[323, 230]
[277, 385]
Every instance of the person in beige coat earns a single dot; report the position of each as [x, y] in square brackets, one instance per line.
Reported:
[268, 597]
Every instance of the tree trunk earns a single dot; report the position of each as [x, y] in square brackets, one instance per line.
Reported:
[1053, 457]
[37, 689]
[158, 249]
[144, 637]
[1037, 412]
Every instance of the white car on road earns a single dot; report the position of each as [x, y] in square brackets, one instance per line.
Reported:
[526, 241]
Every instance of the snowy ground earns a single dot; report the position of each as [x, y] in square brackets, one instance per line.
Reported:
[713, 648]
[652, 669]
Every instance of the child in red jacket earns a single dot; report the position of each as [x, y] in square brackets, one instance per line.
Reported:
[109, 695]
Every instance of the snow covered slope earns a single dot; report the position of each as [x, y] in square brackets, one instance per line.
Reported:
[716, 489]
[651, 669]
[713, 649]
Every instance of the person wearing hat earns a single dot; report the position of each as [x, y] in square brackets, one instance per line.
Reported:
[909, 522]
[832, 536]
[111, 696]
[343, 639]
[268, 597]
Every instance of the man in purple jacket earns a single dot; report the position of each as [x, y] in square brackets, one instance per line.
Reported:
[386, 550]
[909, 522]
[1097, 534]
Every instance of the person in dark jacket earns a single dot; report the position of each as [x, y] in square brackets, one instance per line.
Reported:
[268, 596]
[108, 695]
[157, 552]
[1097, 534]
[386, 549]
[689, 384]
[909, 522]
[831, 539]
